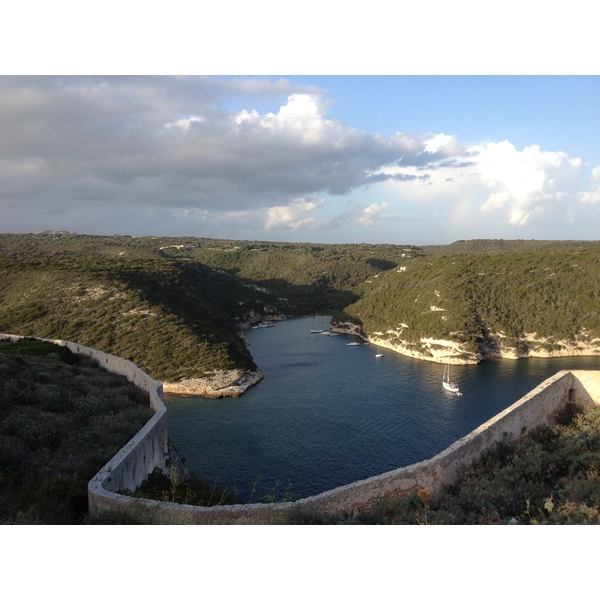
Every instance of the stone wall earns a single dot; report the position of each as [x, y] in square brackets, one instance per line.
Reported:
[535, 409]
[149, 448]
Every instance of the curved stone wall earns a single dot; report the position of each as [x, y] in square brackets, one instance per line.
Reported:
[535, 409]
[149, 449]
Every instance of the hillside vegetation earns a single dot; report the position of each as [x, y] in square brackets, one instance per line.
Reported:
[488, 245]
[177, 306]
[169, 317]
[173, 306]
[62, 418]
[514, 303]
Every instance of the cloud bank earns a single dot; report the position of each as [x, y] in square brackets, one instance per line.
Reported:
[167, 154]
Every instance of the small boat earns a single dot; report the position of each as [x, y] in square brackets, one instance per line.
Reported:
[263, 324]
[316, 330]
[379, 354]
[353, 344]
[448, 384]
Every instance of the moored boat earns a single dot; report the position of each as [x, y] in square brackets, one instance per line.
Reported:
[316, 330]
[449, 385]
[263, 325]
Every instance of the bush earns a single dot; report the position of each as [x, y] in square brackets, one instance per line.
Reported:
[56, 431]
[189, 489]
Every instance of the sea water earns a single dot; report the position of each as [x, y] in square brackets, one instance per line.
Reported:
[327, 414]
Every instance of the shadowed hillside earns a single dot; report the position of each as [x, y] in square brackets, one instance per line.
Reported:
[173, 306]
[177, 306]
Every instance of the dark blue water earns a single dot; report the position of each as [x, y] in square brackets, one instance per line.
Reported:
[327, 414]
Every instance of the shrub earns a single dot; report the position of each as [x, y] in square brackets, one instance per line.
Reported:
[188, 489]
[56, 431]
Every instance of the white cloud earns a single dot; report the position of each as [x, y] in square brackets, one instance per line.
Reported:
[593, 195]
[173, 150]
[521, 186]
[523, 183]
[433, 144]
[294, 216]
[185, 123]
[302, 114]
[370, 214]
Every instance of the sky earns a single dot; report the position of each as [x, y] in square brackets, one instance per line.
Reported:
[407, 156]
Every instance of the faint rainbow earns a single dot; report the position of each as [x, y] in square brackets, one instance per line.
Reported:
[460, 209]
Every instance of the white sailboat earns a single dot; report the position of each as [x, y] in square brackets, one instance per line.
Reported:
[316, 330]
[448, 384]
[379, 354]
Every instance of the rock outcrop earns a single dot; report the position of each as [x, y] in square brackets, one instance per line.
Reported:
[496, 345]
[220, 384]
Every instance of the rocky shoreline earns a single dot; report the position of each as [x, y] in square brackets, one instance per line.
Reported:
[451, 352]
[220, 384]
[233, 383]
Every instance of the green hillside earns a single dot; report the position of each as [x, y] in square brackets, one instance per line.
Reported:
[177, 306]
[311, 277]
[483, 245]
[172, 318]
[173, 306]
[486, 299]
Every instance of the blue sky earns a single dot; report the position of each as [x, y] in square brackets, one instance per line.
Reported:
[558, 113]
[401, 156]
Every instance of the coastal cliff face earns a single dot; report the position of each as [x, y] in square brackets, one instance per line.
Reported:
[445, 351]
[495, 345]
[532, 345]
